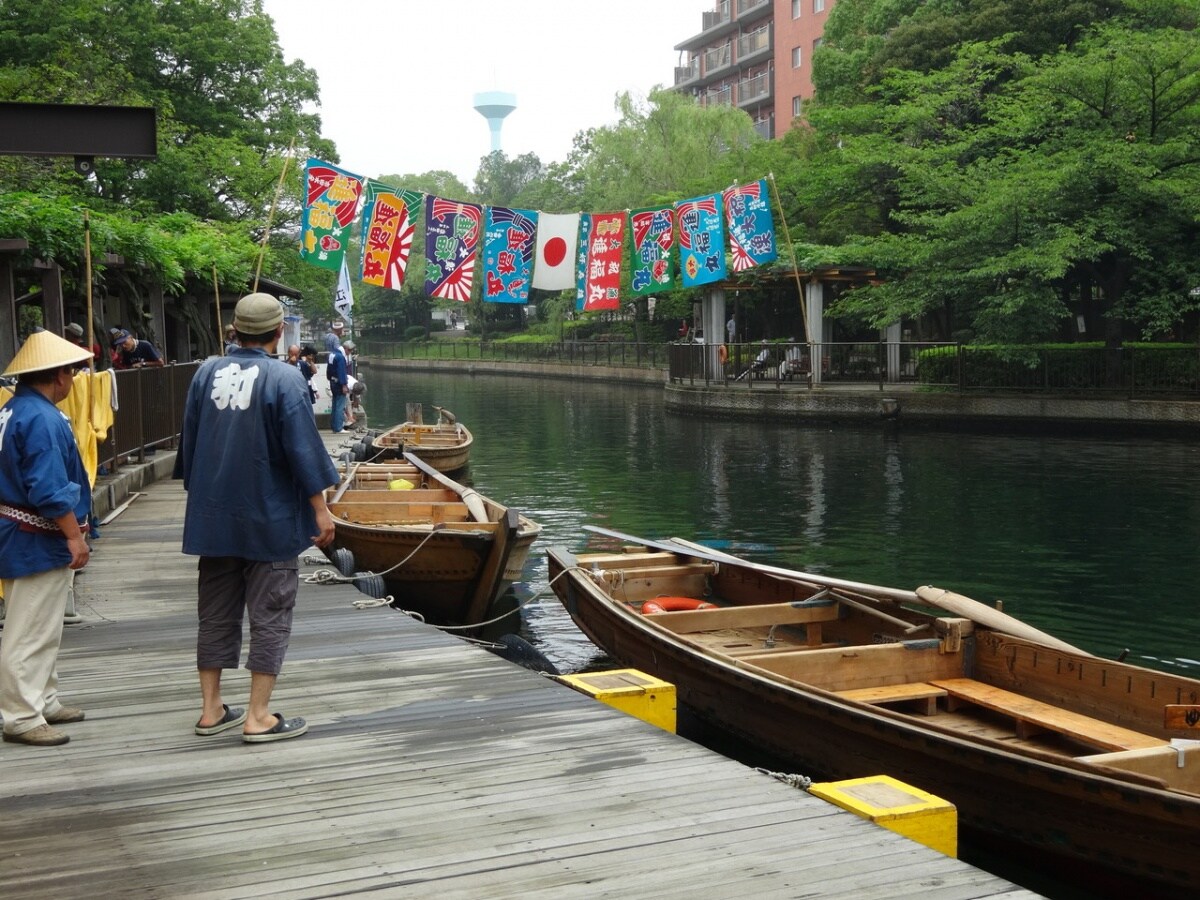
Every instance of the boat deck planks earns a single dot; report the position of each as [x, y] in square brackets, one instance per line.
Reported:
[432, 768]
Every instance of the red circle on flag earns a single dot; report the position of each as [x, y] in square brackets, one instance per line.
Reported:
[555, 251]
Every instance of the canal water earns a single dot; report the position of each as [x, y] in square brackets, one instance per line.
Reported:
[1092, 539]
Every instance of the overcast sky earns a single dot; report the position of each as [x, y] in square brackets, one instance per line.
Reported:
[398, 77]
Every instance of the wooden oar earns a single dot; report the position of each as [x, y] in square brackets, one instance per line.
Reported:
[992, 618]
[926, 596]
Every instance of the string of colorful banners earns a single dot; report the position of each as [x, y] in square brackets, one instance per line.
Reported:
[523, 249]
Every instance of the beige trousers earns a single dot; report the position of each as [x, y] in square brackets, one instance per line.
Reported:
[33, 627]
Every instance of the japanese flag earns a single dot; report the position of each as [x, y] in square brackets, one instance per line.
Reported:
[343, 300]
[557, 241]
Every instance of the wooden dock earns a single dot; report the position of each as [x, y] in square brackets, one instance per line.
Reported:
[432, 768]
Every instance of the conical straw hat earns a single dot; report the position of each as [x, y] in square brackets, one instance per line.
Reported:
[44, 350]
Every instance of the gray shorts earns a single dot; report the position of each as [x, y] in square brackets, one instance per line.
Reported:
[229, 588]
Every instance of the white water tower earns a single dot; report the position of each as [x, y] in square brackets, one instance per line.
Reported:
[494, 106]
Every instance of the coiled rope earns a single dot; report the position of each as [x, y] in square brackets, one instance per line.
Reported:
[802, 782]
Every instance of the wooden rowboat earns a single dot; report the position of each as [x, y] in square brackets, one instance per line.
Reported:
[1038, 744]
[445, 445]
[442, 549]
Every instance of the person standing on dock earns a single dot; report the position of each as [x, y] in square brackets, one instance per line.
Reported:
[45, 496]
[338, 376]
[255, 470]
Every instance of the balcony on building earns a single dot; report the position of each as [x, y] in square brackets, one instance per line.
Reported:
[687, 74]
[718, 60]
[765, 126]
[754, 47]
[749, 10]
[754, 90]
[714, 25]
[721, 96]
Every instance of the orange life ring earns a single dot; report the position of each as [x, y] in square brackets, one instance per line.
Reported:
[723, 354]
[674, 604]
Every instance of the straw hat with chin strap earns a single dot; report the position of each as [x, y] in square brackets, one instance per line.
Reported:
[45, 350]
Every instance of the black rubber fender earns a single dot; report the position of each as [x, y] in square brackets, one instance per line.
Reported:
[518, 650]
[371, 584]
[343, 561]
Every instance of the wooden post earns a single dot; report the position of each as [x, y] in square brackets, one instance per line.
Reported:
[412, 413]
[90, 334]
[262, 250]
[217, 313]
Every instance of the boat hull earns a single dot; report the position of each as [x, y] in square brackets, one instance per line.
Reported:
[445, 447]
[442, 573]
[1054, 808]
[442, 550]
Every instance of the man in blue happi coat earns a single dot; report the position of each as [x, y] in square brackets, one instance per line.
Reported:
[337, 373]
[45, 496]
[255, 470]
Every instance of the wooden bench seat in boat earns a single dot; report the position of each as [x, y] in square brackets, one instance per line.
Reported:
[897, 693]
[862, 665]
[1033, 715]
[391, 512]
[380, 494]
[800, 612]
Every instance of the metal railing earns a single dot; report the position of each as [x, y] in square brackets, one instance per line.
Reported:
[755, 42]
[149, 412]
[718, 58]
[617, 354]
[1130, 371]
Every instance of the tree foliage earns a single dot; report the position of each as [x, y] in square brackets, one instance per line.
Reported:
[229, 108]
[1006, 189]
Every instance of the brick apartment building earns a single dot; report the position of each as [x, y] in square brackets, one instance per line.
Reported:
[755, 55]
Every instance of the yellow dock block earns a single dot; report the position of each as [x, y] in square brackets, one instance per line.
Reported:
[899, 807]
[636, 693]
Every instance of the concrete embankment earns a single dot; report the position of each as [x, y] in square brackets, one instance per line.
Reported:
[791, 401]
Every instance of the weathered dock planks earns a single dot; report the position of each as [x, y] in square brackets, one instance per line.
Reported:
[432, 768]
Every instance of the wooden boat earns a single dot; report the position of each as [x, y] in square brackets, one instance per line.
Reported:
[445, 445]
[442, 549]
[1038, 744]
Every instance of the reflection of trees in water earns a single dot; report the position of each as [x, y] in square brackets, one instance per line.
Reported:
[1093, 540]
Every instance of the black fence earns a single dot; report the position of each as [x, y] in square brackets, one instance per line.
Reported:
[1140, 370]
[149, 412]
[616, 354]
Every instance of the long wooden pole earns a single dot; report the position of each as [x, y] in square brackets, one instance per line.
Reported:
[262, 250]
[217, 311]
[90, 334]
[787, 234]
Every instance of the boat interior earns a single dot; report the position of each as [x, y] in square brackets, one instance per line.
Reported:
[947, 672]
[422, 435]
[380, 494]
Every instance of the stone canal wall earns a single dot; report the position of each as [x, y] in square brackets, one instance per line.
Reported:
[865, 402]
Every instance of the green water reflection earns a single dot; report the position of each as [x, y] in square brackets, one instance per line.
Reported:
[1094, 540]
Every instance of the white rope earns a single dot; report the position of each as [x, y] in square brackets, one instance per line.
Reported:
[329, 576]
[373, 602]
[537, 596]
[802, 782]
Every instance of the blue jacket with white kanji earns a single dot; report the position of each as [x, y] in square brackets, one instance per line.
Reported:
[250, 456]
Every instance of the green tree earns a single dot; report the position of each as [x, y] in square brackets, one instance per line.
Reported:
[505, 182]
[228, 107]
[1020, 189]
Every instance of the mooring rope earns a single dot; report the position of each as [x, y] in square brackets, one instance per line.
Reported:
[537, 596]
[328, 576]
[802, 782]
